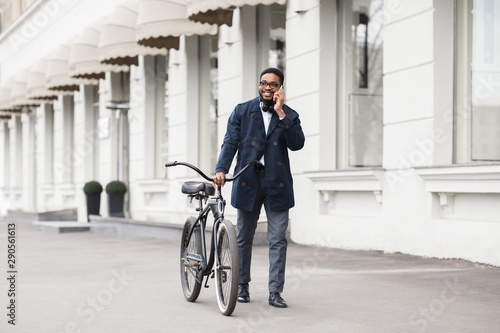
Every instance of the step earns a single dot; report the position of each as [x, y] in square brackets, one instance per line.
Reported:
[70, 214]
[127, 227]
[135, 228]
[58, 227]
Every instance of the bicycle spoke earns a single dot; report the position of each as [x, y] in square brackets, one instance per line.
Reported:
[191, 253]
[193, 272]
[227, 253]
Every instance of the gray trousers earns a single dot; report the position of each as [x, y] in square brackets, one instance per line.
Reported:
[277, 223]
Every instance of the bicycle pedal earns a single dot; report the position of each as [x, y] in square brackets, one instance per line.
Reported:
[194, 257]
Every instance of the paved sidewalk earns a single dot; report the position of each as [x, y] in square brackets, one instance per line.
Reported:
[86, 282]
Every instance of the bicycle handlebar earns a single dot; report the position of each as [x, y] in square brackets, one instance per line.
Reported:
[228, 179]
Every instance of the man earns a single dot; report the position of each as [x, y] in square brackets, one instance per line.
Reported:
[262, 129]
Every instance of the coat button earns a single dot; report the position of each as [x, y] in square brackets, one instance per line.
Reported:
[275, 143]
[243, 184]
[253, 143]
[286, 126]
[278, 164]
[282, 185]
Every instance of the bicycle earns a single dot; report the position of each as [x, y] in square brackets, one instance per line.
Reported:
[223, 249]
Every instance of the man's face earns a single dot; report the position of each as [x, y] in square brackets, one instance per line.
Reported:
[266, 92]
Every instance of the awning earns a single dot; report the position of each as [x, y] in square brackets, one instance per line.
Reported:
[220, 11]
[4, 117]
[84, 57]
[35, 83]
[160, 23]
[57, 74]
[211, 11]
[5, 97]
[117, 43]
[18, 98]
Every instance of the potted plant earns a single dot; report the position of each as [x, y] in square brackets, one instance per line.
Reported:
[93, 190]
[116, 194]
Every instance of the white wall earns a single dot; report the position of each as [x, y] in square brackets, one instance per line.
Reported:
[415, 204]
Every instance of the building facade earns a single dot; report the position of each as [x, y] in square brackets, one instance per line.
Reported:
[399, 102]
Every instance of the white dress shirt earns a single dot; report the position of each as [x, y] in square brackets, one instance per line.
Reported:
[266, 116]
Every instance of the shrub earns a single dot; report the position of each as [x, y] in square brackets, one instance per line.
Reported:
[116, 187]
[92, 187]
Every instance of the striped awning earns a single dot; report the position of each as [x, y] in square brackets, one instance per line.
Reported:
[117, 43]
[57, 75]
[160, 23]
[35, 83]
[18, 95]
[83, 59]
[5, 97]
[220, 11]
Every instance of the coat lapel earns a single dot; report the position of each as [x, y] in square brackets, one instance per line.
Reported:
[257, 117]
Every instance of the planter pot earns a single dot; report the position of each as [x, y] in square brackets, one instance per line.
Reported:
[115, 204]
[93, 204]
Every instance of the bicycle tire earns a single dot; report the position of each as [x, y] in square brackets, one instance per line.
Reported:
[191, 286]
[227, 273]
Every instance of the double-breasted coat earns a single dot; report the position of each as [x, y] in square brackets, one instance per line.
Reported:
[246, 136]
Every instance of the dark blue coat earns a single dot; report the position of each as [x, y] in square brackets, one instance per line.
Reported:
[246, 135]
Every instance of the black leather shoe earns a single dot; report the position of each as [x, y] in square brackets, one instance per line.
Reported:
[243, 294]
[276, 300]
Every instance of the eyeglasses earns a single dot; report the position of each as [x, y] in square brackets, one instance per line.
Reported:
[272, 85]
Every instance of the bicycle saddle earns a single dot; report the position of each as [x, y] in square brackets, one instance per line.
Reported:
[196, 187]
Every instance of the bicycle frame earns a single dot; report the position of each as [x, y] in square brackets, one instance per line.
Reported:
[216, 206]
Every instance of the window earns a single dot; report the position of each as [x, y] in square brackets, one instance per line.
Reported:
[477, 90]
[17, 153]
[49, 143]
[360, 86]
[68, 133]
[271, 46]
[120, 92]
[161, 147]
[63, 140]
[209, 92]
[6, 175]
[92, 130]
[164, 130]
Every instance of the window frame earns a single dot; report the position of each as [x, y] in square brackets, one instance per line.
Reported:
[345, 88]
[463, 86]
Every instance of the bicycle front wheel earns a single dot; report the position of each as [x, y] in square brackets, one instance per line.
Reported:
[191, 255]
[227, 270]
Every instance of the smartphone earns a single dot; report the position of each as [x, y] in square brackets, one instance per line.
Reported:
[281, 89]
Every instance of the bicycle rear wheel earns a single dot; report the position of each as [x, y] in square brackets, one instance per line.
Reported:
[227, 271]
[191, 253]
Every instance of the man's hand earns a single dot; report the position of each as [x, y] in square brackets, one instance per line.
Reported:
[279, 100]
[219, 179]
